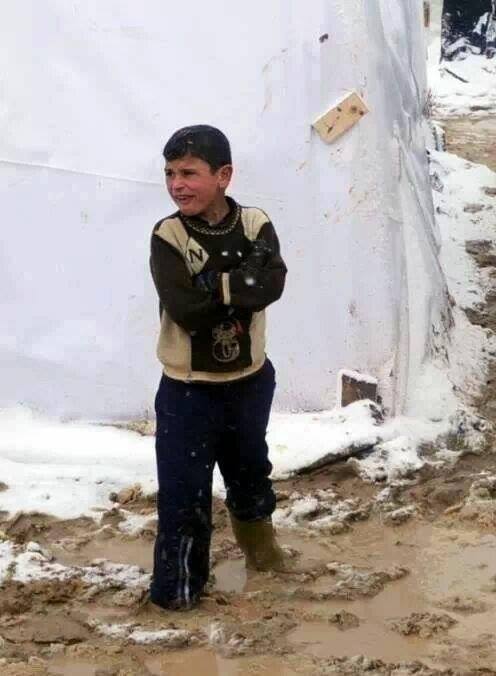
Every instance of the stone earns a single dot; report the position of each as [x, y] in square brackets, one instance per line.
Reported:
[129, 494]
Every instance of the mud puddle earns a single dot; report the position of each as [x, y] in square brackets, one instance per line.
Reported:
[208, 664]
[116, 548]
[422, 591]
[232, 576]
[66, 667]
[189, 663]
[438, 613]
[324, 641]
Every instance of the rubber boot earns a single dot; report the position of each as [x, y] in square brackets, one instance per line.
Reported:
[257, 541]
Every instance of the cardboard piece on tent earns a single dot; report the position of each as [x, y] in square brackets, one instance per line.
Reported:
[354, 386]
[340, 117]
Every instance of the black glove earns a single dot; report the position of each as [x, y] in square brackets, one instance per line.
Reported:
[261, 253]
[207, 281]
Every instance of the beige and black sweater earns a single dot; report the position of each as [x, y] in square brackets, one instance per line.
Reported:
[208, 337]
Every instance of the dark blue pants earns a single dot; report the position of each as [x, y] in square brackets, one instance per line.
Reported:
[197, 426]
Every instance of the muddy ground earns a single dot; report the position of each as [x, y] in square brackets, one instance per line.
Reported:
[472, 138]
[406, 580]
[396, 581]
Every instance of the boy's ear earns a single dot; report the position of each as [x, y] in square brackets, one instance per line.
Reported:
[225, 175]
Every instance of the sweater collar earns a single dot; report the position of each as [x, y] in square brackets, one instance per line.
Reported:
[227, 224]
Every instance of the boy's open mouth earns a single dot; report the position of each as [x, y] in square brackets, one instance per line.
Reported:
[184, 199]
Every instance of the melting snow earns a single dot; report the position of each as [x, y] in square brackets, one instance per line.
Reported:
[24, 563]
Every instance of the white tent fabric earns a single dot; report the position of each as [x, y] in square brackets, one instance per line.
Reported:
[89, 93]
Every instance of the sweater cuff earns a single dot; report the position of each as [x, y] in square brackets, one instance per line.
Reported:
[225, 288]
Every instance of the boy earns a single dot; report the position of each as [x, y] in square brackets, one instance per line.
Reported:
[216, 266]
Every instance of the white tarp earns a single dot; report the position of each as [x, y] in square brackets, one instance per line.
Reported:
[90, 91]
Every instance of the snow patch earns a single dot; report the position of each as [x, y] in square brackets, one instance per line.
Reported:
[473, 94]
[305, 439]
[321, 511]
[172, 638]
[393, 461]
[133, 524]
[25, 563]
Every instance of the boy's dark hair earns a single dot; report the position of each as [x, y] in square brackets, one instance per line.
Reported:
[202, 141]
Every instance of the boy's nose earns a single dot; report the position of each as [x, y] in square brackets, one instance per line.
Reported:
[176, 183]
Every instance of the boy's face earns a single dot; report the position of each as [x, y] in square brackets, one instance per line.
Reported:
[194, 186]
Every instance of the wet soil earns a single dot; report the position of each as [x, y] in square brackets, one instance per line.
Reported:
[420, 592]
[472, 138]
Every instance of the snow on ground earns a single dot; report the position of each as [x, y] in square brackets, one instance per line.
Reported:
[69, 470]
[465, 212]
[476, 96]
[24, 563]
[473, 94]
[172, 638]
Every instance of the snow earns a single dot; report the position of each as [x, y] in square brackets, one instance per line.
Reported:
[449, 381]
[113, 630]
[171, 637]
[69, 470]
[454, 98]
[24, 563]
[321, 511]
[462, 184]
[298, 440]
[355, 375]
[451, 96]
[133, 523]
[392, 461]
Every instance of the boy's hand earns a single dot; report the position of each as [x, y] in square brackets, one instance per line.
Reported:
[259, 256]
[207, 281]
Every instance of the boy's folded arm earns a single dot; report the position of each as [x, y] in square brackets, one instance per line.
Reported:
[254, 288]
[190, 307]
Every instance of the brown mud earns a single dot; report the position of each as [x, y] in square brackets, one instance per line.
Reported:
[472, 138]
[422, 592]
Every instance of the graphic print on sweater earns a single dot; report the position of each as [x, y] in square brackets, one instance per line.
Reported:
[224, 347]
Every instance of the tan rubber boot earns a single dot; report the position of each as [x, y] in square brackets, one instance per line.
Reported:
[258, 543]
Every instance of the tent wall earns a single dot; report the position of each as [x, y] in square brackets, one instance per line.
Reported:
[90, 93]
